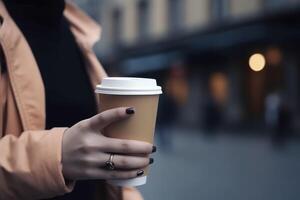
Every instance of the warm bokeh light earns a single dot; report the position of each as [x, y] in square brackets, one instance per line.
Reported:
[219, 86]
[274, 56]
[257, 62]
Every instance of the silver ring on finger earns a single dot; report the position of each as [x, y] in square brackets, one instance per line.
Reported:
[110, 165]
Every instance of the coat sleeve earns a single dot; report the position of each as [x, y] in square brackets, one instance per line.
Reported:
[30, 165]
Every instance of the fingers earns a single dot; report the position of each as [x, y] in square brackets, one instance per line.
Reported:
[110, 175]
[121, 146]
[130, 162]
[125, 167]
[120, 161]
[107, 117]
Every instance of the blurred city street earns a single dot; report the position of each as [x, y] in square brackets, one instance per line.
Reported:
[223, 65]
[227, 167]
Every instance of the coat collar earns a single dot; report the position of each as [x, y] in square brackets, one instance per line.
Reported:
[25, 78]
[86, 30]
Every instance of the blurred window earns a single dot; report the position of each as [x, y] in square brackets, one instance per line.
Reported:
[143, 18]
[176, 14]
[116, 26]
[219, 9]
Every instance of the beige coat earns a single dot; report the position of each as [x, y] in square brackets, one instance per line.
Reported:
[30, 157]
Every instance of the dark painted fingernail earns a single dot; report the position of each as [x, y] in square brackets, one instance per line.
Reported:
[151, 160]
[140, 173]
[130, 111]
[153, 149]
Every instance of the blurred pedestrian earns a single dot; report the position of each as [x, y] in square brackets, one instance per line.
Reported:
[47, 80]
[216, 102]
[213, 117]
[166, 116]
[283, 128]
[175, 96]
[272, 104]
[278, 118]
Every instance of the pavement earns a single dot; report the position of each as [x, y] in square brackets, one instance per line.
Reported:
[224, 167]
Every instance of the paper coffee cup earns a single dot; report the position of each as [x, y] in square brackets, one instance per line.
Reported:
[143, 95]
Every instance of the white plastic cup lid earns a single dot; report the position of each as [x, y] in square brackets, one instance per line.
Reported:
[128, 86]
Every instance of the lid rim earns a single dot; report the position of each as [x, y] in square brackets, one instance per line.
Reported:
[128, 86]
[128, 93]
[128, 89]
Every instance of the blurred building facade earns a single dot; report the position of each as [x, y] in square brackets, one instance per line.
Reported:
[206, 45]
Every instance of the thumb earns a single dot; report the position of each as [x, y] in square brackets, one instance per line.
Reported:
[107, 117]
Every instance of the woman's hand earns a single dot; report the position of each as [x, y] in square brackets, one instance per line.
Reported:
[86, 150]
